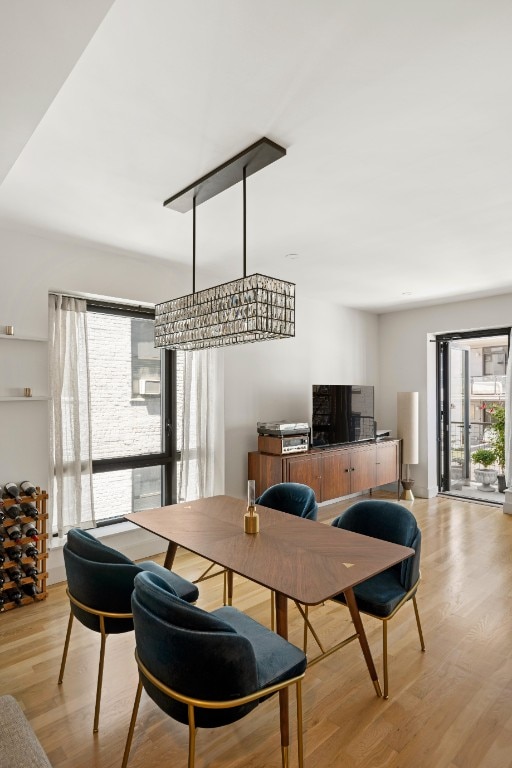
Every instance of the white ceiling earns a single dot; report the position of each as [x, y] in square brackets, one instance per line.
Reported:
[397, 118]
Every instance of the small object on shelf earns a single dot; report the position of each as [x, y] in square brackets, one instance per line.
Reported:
[27, 487]
[9, 330]
[13, 595]
[15, 553]
[14, 512]
[14, 532]
[30, 571]
[30, 531]
[14, 573]
[29, 509]
[11, 491]
[27, 392]
[30, 550]
[31, 590]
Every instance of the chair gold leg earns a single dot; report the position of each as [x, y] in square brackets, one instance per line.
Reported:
[229, 580]
[300, 740]
[191, 736]
[272, 612]
[284, 756]
[418, 623]
[100, 675]
[385, 655]
[225, 591]
[66, 646]
[308, 625]
[306, 619]
[132, 725]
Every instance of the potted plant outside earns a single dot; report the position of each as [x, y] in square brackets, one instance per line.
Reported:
[486, 476]
[497, 439]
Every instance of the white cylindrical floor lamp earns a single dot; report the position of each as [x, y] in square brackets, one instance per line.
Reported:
[407, 432]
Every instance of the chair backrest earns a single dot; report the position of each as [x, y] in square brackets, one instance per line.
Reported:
[192, 652]
[99, 577]
[294, 498]
[389, 521]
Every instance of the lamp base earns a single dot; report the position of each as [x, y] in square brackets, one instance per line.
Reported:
[251, 522]
[407, 493]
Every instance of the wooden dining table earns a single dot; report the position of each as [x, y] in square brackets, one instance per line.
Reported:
[304, 560]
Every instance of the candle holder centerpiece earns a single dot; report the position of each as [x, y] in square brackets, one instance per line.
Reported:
[251, 517]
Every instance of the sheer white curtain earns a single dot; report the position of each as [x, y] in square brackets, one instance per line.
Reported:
[199, 398]
[508, 425]
[70, 425]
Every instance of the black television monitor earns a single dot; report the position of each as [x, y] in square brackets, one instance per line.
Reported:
[342, 413]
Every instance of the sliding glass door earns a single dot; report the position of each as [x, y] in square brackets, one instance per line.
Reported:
[471, 370]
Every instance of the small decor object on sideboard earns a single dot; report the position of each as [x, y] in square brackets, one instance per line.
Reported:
[9, 330]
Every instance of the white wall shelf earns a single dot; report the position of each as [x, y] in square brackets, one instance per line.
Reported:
[22, 338]
[25, 399]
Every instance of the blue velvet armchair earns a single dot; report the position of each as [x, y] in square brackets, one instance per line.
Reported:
[206, 669]
[294, 498]
[383, 595]
[100, 585]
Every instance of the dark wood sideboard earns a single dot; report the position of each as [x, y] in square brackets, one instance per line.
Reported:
[332, 472]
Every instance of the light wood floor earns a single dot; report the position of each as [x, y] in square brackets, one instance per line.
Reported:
[449, 707]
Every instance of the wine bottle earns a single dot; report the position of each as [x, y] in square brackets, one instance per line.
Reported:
[3, 534]
[30, 531]
[2, 516]
[2, 602]
[15, 553]
[2, 556]
[11, 491]
[28, 489]
[30, 570]
[13, 512]
[29, 509]
[14, 532]
[2, 578]
[13, 595]
[31, 590]
[14, 573]
[30, 550]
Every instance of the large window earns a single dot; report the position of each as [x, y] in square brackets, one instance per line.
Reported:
[131, 394]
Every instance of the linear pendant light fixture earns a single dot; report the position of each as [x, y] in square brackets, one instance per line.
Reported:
[252, 308]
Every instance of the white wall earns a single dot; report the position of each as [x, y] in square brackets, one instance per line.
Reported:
[272, 380]
[407, 363]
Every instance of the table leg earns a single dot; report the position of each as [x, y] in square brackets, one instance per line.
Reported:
[169, 558]
[358, 624]
[282, 629]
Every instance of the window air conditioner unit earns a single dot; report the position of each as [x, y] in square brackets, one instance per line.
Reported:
[149, 387]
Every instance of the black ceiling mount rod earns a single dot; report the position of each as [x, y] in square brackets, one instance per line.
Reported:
[245, 219]
[194, 245]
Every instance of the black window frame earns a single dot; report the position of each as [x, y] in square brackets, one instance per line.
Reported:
[168, 457]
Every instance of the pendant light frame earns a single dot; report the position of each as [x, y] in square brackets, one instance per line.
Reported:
[253, 308]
